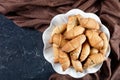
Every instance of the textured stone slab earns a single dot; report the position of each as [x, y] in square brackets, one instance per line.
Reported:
[21, 56]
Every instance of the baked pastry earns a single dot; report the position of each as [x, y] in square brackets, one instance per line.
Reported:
[94, 60]
[55, 53]
[58, 30]
[74, 43]
[72, 22]
[89, 23]
[105, 41]
[58, 40]
[64, 60]
[77, 65]
[76, 53]
[94, 39]
[74, 32]
[85, 51]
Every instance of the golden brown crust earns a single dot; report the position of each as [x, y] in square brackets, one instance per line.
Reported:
[89, 23]
[74, 43]
[56, 53]
[64, 60]
[58, 40]
[77, 65]
[105, 41]
[94, 39]
[58, 30]
[72, 22]
[93, 60]
[75, 54]
[74, 32]
[85, 51]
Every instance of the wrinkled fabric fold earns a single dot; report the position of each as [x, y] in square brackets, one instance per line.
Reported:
[37, 14]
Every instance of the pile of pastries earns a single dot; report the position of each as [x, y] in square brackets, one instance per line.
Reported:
[79, 43]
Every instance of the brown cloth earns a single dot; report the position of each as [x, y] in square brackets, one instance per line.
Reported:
[38, 13]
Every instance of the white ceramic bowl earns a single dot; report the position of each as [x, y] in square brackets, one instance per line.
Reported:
[48, 51]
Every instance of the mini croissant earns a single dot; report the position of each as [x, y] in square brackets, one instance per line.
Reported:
[72, 22]
[56, 53]
[58, 30]
[85, 51]
[74, 43]
[75, 54]
[94, 39]
[89, 23]
[74, 32]
[64, 60]
[58, 40]
[105, 41]
[93, 60]
[77, 65]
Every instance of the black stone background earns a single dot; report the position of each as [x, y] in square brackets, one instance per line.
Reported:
[21, 53]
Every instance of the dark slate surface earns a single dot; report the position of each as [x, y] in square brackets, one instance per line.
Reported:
[21, 56]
